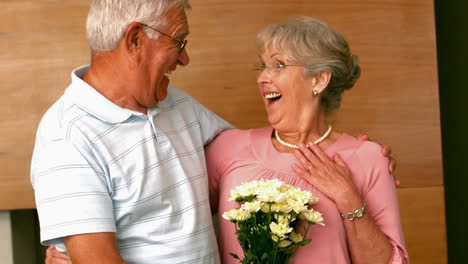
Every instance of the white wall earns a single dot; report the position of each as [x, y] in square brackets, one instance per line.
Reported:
[6, 249]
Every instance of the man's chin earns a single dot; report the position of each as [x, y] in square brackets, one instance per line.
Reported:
[161, 91]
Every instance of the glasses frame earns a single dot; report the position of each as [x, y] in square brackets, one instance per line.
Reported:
[277, 68]
[182, 44]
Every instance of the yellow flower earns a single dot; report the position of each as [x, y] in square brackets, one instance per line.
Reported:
[265, 208]
[280, 230]
[282, 219]
[282, 208]
[295, 237]
[284, 243]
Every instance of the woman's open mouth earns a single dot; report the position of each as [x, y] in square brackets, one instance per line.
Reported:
[273, 97]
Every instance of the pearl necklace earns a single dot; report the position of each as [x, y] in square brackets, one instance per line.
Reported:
[322, 138]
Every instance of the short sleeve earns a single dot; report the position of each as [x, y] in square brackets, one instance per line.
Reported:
[379, 193]
[210, 123]
[72, 193]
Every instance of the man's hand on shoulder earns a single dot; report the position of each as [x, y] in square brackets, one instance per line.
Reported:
[387, 152]
[94, 248]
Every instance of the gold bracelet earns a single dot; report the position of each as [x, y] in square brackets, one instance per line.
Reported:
[360, 212]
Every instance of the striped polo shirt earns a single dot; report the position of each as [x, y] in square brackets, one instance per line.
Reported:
[97, 167]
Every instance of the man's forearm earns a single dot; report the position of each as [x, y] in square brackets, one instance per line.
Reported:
[94, 248]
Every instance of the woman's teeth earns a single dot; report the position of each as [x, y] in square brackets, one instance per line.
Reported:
[272, 95]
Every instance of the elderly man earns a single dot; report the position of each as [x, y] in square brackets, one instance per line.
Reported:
[118, 166]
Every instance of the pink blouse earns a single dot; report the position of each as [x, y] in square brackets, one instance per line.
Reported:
[238, 156]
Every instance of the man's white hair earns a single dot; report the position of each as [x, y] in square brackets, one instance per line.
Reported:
[108, 19]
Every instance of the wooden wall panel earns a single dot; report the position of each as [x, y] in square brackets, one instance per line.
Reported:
[40, 43]
[423, 219]
[395, 102]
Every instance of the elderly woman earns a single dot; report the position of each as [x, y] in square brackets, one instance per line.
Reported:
[305, 67]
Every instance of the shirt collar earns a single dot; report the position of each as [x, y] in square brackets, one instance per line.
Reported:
[90, 100]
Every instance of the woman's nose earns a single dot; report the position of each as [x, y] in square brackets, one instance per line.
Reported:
[264, 76]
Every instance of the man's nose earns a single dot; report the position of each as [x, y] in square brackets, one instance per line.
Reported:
[183, 58]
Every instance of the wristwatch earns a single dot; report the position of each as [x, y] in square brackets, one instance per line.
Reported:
[360, 212]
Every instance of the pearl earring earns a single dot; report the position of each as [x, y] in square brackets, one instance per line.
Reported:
[316, 92]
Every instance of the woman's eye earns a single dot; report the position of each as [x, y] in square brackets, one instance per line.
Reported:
[279, 65]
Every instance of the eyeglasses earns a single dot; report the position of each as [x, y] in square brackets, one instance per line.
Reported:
[182, 44]
[276, 67]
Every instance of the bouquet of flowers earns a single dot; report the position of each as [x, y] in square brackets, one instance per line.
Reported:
[267, 218]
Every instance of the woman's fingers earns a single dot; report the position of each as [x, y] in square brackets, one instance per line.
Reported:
[318, 152]
[304, 161]
[363, 137]
[53, 256]
[337, 158]
[391, 164]
[309, 155]
[386, 150]
[302, 173]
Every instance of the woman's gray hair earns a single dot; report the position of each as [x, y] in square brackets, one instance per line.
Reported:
[314, 44]
[108, 19]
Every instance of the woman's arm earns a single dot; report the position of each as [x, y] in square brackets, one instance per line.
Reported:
[367, 242]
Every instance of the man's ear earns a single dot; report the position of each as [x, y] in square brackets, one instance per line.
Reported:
[132, 41]
[321, 80]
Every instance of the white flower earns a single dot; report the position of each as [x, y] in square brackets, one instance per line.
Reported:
[269, 195]
[233, 195]
[271, 184]
[280, 230]
[243, 215]
[312, 217]
[230, 215]
[235, 215]
[297, 206]
[295, 237]
[313, 200]
[299, 195]
[252, 206]
[273, 206]
[248, 189]
[280, 208]
[284, 243]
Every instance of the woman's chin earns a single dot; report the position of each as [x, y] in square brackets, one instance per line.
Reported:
[273, 121]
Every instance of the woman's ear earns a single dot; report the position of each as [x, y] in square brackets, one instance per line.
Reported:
[320, 81]
[132, 41]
